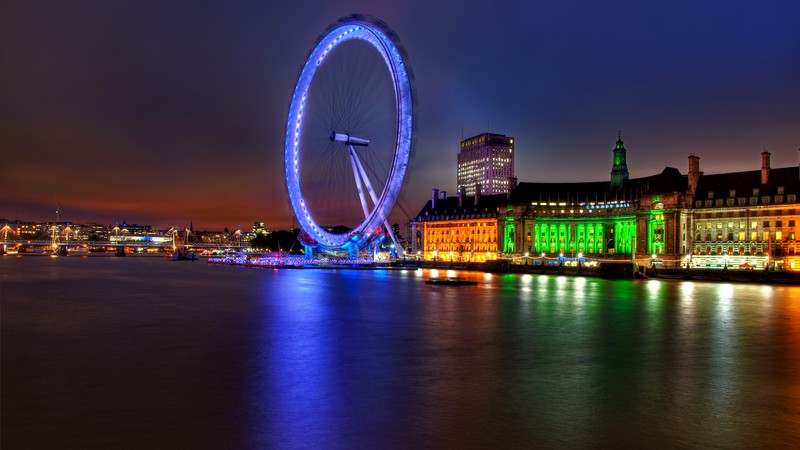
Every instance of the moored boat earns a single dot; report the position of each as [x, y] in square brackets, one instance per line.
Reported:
[451, 282]
[183, 255]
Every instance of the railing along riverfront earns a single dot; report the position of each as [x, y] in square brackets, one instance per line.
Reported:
[131, 244]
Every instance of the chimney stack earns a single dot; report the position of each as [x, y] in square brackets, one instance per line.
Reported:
[694, 164]
[764, 167]
[461, 193]
[434, 195]
[694, 177]
[512, 184]
[477, 193]
[443, 195]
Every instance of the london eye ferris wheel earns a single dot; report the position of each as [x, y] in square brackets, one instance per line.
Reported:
[348, 135]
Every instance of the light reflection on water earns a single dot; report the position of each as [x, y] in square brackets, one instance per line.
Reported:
[356, 359]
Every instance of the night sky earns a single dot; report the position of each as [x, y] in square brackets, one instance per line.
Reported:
[171, 112]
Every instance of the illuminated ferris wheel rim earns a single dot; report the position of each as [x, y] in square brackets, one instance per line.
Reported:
[380, 38]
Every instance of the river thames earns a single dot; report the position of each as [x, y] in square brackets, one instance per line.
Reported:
[140, 352]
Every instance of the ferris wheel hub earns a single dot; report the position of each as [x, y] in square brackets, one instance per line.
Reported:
[347, 139]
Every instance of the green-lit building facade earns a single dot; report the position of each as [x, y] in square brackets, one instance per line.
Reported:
[621, 217]
[593, 219]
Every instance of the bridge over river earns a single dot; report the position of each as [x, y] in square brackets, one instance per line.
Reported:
[35, 245]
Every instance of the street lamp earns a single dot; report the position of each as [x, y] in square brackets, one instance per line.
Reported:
[54, 235]
[5, 231]
[172, 231]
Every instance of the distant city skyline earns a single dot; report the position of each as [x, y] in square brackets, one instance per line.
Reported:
[174, 113]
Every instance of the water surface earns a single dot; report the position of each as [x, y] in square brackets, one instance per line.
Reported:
[139, 352]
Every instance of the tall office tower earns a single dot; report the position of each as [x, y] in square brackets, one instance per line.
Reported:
[486, 164]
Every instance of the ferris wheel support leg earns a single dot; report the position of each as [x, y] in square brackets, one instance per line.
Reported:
[374, 197]
[397, 245]
[353, 162]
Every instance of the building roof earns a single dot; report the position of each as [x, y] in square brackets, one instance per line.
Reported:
[487, 139]
[743, 183]
[448, 209]
[668, 181]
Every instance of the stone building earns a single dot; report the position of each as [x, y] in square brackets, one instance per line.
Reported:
[457, 228]
[743, 219]
[736, 220]
[593, 219]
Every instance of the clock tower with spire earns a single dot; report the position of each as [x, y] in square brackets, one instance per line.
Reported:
[619, 171]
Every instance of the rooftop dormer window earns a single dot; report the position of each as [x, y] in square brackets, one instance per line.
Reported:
[710, 194]
[732, 193]
[780, 190]
[755, 191]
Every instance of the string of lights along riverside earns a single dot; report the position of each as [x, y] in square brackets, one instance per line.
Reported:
[348, 137]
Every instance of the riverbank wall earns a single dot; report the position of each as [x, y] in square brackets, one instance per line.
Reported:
[618, 270]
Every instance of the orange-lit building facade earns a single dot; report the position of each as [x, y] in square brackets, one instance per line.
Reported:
[457, 228]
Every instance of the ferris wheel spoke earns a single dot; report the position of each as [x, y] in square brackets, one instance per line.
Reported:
[374, 198]
[359, 186]
[364, 176]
